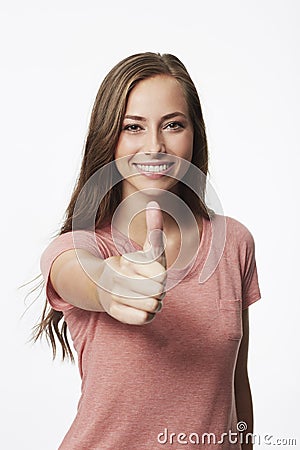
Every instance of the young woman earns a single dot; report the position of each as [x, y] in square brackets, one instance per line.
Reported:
[162, 356]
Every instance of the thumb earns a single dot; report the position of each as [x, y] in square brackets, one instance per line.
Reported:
[154, 245]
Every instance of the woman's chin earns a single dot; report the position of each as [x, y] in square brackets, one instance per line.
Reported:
[152, 187]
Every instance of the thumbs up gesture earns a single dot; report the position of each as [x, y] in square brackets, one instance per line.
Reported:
[154, 248]
[132, 285]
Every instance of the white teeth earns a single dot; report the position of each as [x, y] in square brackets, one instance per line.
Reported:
[160, 168]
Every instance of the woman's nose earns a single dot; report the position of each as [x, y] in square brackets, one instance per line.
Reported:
[154, 143]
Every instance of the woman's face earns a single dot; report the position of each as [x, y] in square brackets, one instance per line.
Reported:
[156, 138]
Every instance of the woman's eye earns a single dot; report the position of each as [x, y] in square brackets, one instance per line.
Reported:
[174, 125]
[133, 128]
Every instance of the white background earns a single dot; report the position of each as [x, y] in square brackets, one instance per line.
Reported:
[244, 58]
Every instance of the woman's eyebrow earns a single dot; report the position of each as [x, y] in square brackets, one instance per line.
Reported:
[140, 118]
[165, 117]
[174, 114]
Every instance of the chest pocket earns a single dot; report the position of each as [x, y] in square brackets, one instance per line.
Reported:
[231, 318]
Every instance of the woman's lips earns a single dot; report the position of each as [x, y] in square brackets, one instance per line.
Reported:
[154, 170]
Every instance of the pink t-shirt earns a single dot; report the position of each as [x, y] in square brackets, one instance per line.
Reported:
[166, 384]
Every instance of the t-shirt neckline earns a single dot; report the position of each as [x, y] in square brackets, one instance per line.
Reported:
[198, 258]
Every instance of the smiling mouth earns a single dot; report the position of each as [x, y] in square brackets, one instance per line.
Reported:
[154, 168]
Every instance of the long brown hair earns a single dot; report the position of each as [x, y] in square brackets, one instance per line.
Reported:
[102, 137]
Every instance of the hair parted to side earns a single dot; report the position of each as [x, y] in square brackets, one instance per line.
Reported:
[102, 138]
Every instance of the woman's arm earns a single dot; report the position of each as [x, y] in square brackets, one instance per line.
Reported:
[241, 383]
[131, 292]
[131, 288]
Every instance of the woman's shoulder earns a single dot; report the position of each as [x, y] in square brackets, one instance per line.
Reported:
[236, 226]
[90, 240]
[238, 232]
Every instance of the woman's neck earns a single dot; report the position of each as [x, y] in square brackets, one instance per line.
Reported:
[179, 223]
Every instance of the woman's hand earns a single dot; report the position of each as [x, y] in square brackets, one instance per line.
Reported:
[132, 285]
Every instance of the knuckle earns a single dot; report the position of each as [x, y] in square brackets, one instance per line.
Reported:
[115, 297]
[125, 266]
[124, 261]
[158, 306]
[112, 309]
[153, 305]
[161, 276]
[144, 317]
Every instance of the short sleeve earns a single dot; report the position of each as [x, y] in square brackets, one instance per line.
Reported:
[250, 285]
[74, 239]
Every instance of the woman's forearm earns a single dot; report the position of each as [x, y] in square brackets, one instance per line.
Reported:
[243, 397]
[244, 409]
[73, 276]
